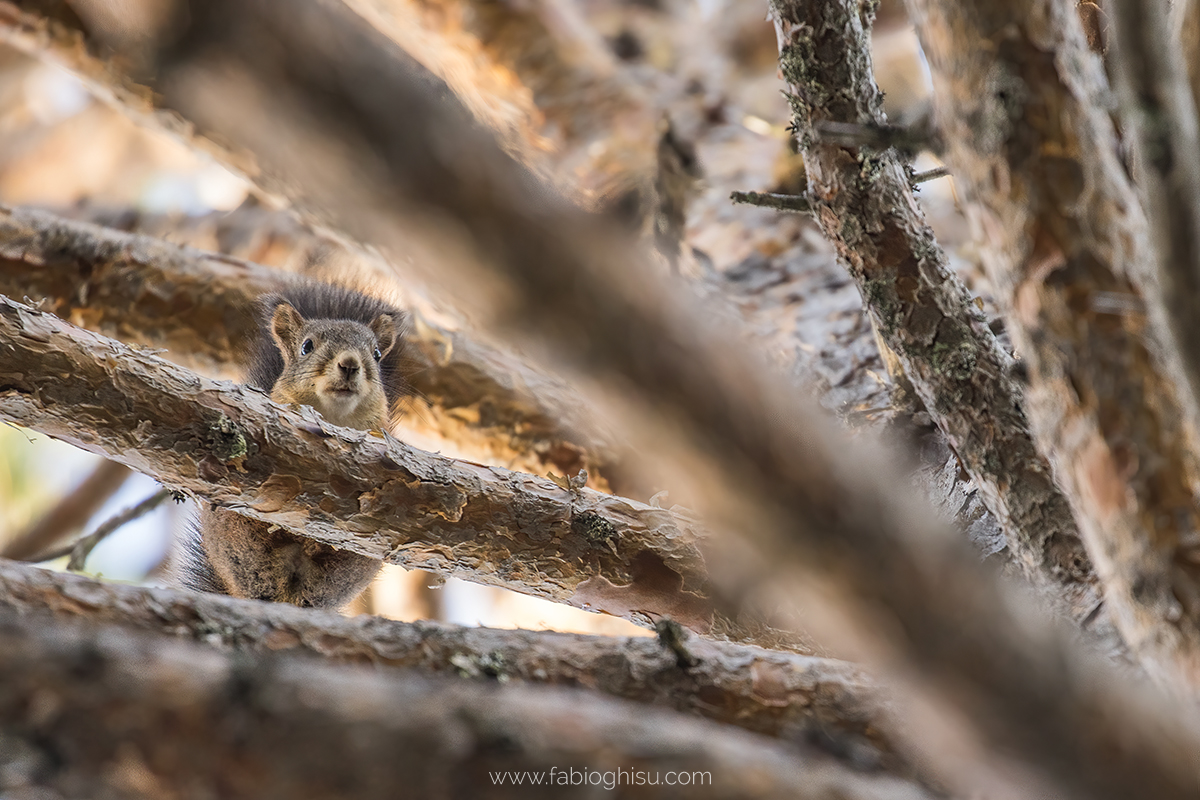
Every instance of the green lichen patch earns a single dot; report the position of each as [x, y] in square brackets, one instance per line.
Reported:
[481, 665]
[955, 361]
[226, 441]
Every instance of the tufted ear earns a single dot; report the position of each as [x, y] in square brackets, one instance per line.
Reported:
[286, 324]
[384, 328]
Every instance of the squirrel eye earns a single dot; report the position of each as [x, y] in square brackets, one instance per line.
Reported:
[378, 355]
[307, 347]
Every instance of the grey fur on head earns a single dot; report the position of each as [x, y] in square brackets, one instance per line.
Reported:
[322, 301]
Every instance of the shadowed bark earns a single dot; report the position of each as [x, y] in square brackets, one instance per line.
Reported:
[796, 698]
[1022, 103]
[87, 713]
[358, 490]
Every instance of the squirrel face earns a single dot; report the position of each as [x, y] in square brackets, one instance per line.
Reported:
[333, 366]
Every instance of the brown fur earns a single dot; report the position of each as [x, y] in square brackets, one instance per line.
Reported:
[334, 350]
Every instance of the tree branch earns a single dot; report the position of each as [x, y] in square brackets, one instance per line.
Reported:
[264, 726]
[863, 201]
[367, 492]
[201, 308]
[1022, 102]
[825, 521]
[796, 698]
[1151, 74]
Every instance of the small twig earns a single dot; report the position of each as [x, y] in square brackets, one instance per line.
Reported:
[929, 175]
[71, 513]
[879, 136]
[796, 203]
[83, 548]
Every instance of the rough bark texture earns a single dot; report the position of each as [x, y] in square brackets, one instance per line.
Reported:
[357, 490]
[200, 307]
[1023, 108]
[86, 712]
[822, 702]
[904, 584]
[863, 200]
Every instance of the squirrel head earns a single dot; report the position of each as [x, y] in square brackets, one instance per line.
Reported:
[334, 365]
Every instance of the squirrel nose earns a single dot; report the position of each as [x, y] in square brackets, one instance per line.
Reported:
[349, 367]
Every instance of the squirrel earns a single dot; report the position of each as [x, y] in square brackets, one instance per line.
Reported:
[340, 352]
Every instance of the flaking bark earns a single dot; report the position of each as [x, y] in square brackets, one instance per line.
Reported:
[358, 490]
[1023, 106]
[200, 307]
[863, 200]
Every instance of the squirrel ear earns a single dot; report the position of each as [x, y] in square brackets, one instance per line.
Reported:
[286, 323]
[384, 328]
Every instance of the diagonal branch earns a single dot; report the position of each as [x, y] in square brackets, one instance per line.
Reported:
[377, 147]
[1023, 104]
[71, 513]
[357, 490]
[863, 200]
[200, 307]
[1151, 72]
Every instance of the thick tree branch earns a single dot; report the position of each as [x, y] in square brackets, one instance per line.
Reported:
[200, 307]
[1022, 102]
[85, 713]
[1158, 105]
[357, 490]
[864, 203]
[376, 146]
[796, 698]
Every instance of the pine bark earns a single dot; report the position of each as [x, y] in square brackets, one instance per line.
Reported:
[108, 713]
[200, 308]
[1023, 107]
[825, 703]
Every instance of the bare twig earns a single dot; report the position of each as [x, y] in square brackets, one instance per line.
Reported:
[81, 549]
[781, 202]
[71, 513]
[930, 175]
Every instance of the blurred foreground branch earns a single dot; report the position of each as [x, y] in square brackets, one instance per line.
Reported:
[1023, 103]
[87, 712]
[880, 576]
[791, 697]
